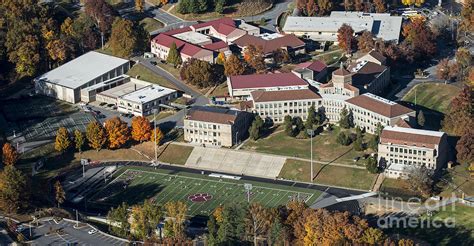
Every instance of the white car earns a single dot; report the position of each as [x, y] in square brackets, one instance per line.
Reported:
[92, 231]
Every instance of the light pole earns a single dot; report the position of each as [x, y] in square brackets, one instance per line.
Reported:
[310, 133]
[77, 218]
[154, 129]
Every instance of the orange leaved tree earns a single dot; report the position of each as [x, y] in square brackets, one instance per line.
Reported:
[141, 129]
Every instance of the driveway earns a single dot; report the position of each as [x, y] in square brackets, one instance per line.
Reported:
[71, 235]
[162, 15]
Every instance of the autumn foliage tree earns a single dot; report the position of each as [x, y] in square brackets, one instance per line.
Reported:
[9, 155]
[380, 6]
[253, 55]
[345, 37]
[459, 117]
[139, 5]
[123, 39]
[200, 73]
[59, 193]
[156, 135]
[63, 140]
[419, 35]
[96, 135]
[177, 212]
[79, 140]
[14, 190]
[117, 131]
[101, 12]
[233, 66]
[141, 129]
[465, 147]
[365, 41]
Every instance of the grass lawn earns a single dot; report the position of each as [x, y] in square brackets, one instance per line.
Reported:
[330, 58]
[239, 8]
[327, 174]
[433, 96]
[161, 115]
[151, 24]
[461, 180]
[220, 90]
[147, 75]
[201, 193]
[397, 188]
[325, 147]
[175, 154]
[106, 154]
[462, 233]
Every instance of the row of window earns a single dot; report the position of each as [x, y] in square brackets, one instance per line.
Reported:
[305, 104]
[202, 125]
[408, 162]
[407, 151]
[203, 133]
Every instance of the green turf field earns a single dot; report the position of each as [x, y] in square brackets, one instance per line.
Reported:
[133, 185]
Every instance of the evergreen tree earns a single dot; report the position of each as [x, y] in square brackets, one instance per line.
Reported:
[288, 122]
[421, 118]
[371, 165]
[346, 120]
[343, 139]
[220, 6]
[120, 215]
[173, 55]
[14, 190]
[256, 128]
[311, 119]
[358, 145]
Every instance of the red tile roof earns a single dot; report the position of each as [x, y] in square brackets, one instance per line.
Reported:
[403, 123]
[266, 80]
[216, 46]
[213, 114]
[183, 47]
[216, 23]
[366, 74]
[379, 105]
[341, 72]
[316, 66]
[285, 95]
[410, 138]
[177, 31]
[269, 45]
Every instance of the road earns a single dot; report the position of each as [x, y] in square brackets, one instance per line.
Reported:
[271, 15]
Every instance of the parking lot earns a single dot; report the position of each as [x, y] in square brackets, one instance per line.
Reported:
[103, 113]
[65, 233]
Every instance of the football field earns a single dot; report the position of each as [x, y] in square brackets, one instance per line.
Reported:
[201, 192]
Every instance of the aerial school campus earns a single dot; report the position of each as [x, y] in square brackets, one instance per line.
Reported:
[221, 122]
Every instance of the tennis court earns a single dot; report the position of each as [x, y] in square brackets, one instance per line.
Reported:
[201, 193]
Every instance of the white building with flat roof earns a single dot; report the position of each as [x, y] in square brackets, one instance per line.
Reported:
[66, 81]
[382, 25]
[141, 102]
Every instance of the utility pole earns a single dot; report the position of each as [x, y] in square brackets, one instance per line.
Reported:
[77, 219]
[310, 133]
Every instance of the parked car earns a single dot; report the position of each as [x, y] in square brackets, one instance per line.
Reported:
[92, 231]
[102, 104]
[154, 63]
[356, 159]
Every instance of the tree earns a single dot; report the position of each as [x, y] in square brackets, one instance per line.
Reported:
[374, 142]
[96, 135]
[117, 132]
[288, 122]
[220, 58]
[79, 140]
[141, 129]
[199, 73]
[325, 7]
[345, 37]
[259, 221]
[311, 118]
[256, 128]
[346, 118]
[120, 216]
[176, 211]
[343, 139]
[372, 236]
[417, 3]
[348, 5]
[463, 59]
[63, 140]
[465, 147]
[358, 144]
[445, 70]
[27, 57]
[153, 215]
[220, 6]
[233, 66]
[254, 56]
[419, 180]
[232, 227]
[372, 165]
[173, 55]
[60, 195]
[420, 118]
[281, 56]
[9, 155]
[311, 8]
[101, 12]
[14, 190]
[299, 125]
[139, 5]
[380, 6]
[365, 42]
[359, 5]
[123, 38]
[419, 36]
[467, 15]
[459, 117]
[156, 135]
